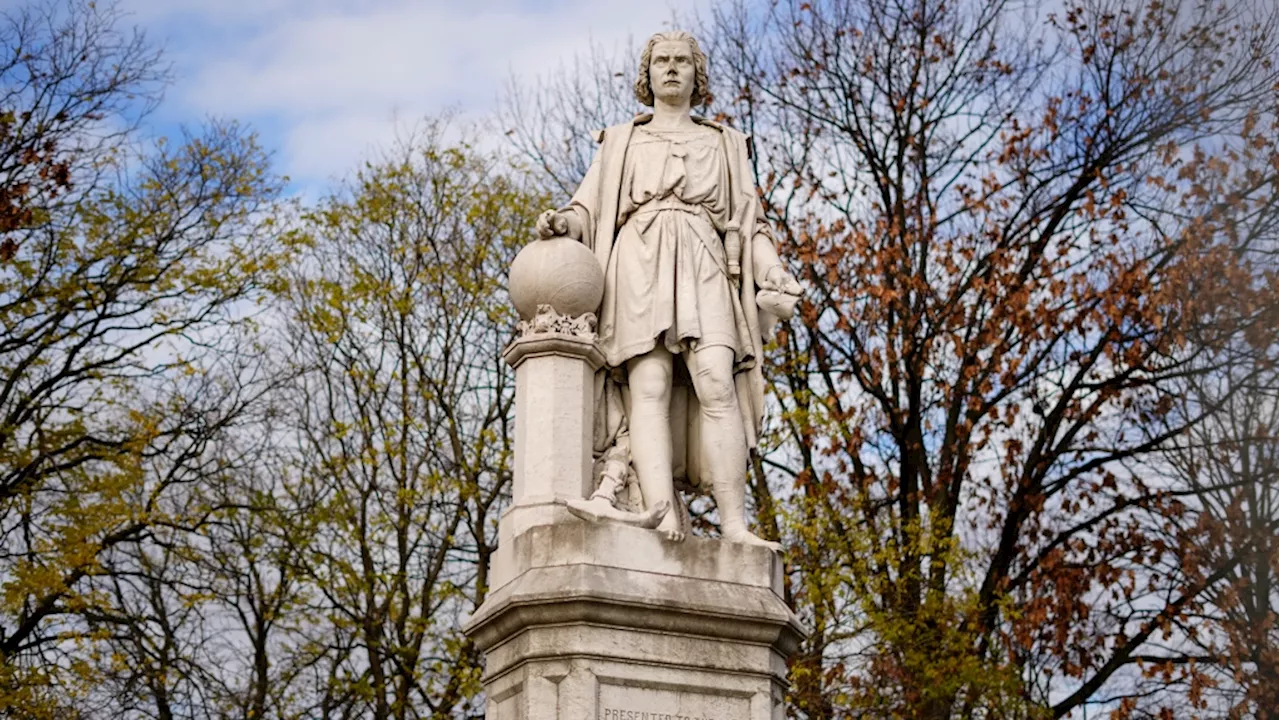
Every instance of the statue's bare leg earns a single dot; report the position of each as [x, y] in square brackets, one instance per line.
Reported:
[723, 458]
[649, 377]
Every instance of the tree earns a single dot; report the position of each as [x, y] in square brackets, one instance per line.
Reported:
[1228, 465]
[394, 316]
[125, 274]
[1015, 226]
[549, 121]
[203, 615]
[66, 71]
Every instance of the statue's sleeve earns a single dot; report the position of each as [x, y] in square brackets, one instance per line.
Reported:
[586, 201]
[764, 255]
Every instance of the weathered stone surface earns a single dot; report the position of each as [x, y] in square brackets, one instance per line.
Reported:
[559, 272]
[691, 282]
[606, 621]
[554, 373]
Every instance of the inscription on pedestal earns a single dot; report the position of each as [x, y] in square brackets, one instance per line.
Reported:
[619, 702]
[621, 714]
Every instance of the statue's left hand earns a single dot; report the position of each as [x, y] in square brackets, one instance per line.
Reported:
[777, 278]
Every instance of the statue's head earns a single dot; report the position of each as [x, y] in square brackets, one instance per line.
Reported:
[644, 88]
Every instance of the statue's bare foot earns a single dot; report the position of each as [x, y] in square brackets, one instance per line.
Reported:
[746, 537]
[671, 527]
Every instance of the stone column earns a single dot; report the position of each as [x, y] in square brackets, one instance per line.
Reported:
[554, 374]
[555, 359]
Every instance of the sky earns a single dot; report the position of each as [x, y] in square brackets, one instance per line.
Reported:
[327, 82]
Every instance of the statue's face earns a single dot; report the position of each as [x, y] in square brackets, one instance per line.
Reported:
[671, 71]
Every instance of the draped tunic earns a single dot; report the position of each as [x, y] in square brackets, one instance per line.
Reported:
[653, 208]
[667, 278]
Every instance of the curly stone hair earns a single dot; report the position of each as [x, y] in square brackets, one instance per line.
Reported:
[701, 81]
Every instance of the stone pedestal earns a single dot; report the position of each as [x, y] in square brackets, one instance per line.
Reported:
[607, 622]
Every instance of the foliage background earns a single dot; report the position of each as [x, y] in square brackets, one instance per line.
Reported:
[1022, 447]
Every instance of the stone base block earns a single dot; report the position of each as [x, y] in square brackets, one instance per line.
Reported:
[583, 688]
[606, 622]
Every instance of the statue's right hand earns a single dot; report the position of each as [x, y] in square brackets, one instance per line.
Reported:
[552, 224]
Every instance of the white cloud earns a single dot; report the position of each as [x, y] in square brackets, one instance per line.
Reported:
[331, 78]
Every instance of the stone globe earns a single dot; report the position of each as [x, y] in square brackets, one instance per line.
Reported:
[560, 272]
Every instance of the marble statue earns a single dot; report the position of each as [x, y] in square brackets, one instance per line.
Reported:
[643, 307]
[691, 283]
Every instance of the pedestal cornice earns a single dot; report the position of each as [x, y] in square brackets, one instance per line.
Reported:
[540, 344]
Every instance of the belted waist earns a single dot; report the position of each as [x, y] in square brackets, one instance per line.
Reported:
[672, 203]
[647, 213]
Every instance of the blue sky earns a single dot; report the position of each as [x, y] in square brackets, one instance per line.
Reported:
[324, 82]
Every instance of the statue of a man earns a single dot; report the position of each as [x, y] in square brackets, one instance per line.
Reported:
[669, 208]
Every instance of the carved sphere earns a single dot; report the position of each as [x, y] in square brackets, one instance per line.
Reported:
[560, 272]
